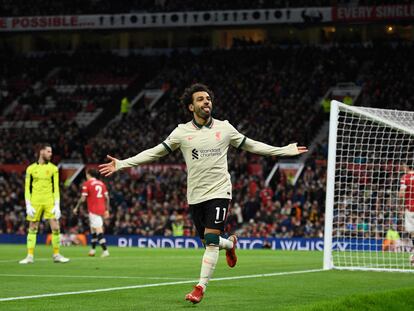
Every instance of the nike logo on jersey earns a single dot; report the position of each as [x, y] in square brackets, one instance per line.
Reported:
[217, 222]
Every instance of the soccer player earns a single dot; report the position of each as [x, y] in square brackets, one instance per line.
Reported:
[204, 142]
[407, 193]
[43, 199]
[95, 193]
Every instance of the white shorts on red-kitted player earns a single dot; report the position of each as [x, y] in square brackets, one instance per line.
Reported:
[409, 221]
[96, 221]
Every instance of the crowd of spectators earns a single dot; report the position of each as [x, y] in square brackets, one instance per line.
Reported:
[78, 7]
[18, 73]
[57, 87]
[51, 7]
[388, 63]
[267, 92]
[72, 82]
[147, 202]
[281, 81]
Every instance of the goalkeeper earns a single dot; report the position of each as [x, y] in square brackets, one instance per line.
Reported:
[42, 201]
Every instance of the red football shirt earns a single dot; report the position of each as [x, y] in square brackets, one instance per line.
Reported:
[407, 184]
[95, 190]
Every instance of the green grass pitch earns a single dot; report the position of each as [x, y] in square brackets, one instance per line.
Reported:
[262, 280]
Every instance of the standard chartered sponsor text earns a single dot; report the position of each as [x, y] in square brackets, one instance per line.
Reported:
[210, 152]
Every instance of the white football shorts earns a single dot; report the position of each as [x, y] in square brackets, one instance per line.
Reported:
[409, 221]
[96, 221]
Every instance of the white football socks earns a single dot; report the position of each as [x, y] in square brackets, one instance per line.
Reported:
[225, 244]
[208, 265]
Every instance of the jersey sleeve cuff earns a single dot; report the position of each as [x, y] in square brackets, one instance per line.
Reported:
[242, 143]
[167, 147]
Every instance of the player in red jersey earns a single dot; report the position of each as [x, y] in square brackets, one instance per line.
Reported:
[407, 193]
[95, 193]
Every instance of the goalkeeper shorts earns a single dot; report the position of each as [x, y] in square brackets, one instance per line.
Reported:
[43, 211]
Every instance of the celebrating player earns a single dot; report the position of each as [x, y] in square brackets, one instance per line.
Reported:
[43, 199]
[407, 193]
[204, 143]
[95, 193]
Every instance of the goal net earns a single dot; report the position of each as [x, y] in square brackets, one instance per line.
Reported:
[369, 151]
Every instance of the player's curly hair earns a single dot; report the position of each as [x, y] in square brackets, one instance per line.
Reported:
[187, 97]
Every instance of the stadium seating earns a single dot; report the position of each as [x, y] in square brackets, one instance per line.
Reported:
[275, 79]
[63, 93]
[147, 203]
[50, 7]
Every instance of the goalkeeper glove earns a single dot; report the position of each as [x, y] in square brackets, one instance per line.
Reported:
[30, 211]
[56, 210]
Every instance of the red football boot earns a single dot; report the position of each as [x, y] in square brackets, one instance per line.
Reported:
[196, 295]
[231, 256]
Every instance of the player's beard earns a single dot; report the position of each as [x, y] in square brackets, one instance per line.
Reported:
[46, 158]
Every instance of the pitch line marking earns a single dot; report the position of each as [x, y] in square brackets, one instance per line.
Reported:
[98, 258]
[91, 276]
[51, 259]
[157, 284]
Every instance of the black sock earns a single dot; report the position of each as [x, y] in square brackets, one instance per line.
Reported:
[102, 241]
[94, 240]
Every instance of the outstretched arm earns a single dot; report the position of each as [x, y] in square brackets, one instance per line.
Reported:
[267, 150]
[143, 157]
[240, 141]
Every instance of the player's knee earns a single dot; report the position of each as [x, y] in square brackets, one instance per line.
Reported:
[54, 225]
[32, 230]
[211, 239]
[34, 226]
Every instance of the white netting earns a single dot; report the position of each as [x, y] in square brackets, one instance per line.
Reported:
[372, 147]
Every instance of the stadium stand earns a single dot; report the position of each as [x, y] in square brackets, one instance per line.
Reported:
[147, 203]
[58, 95]
[276, 79]
[50, 7]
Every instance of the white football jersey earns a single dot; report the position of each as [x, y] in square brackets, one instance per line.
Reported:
[205, 153]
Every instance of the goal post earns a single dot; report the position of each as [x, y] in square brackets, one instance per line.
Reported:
[369, 149]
